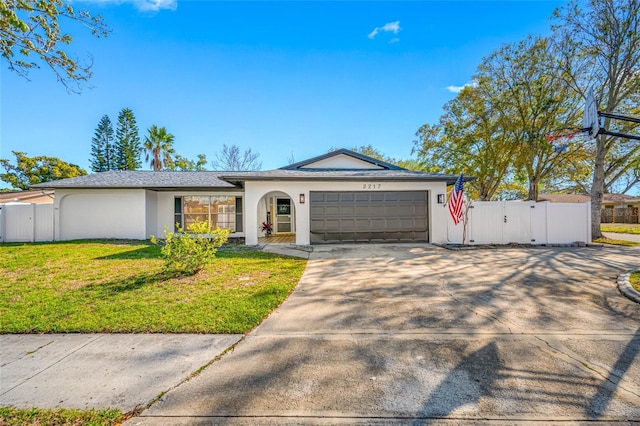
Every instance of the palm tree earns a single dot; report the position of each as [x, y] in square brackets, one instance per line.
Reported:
[158, 146]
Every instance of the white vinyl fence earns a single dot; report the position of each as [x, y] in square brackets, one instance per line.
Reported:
[26, 222]
[524, 222]
[490, 222]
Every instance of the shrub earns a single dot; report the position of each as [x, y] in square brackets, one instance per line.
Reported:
[191, 251]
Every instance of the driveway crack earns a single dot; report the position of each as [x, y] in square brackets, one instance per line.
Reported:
[585, 365]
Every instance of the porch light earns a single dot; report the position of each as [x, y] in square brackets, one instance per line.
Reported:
[440, 198]
[302, 198]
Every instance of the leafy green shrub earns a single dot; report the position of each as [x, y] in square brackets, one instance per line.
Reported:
[191, 251]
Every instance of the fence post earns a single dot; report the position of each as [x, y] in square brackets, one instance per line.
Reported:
[589, 233]
[2, 214]
[33, 222]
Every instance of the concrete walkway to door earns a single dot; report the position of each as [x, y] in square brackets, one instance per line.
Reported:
[415, 334]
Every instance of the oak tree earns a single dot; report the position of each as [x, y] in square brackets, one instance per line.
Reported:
[32, 35]
[599, 43]
[29, 171]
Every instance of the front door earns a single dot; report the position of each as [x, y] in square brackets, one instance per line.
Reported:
[283, 215]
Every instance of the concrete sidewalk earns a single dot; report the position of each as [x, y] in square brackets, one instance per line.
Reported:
[414, 334]
[619, 236]
[83, 371]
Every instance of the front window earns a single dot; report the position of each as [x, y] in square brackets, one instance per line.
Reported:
[220, 211]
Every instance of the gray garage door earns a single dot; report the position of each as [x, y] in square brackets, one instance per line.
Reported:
[369, 216]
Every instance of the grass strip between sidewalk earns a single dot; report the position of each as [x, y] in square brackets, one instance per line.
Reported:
[59, 417]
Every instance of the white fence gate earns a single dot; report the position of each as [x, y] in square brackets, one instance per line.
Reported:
[26, 222]
[524, 222]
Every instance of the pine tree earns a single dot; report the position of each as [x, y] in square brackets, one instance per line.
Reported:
[127, 147]
[102, 148]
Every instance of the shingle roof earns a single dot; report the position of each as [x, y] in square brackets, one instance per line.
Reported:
[620, 198]
[583, 198]
[24, 196]
[324, 174]
[564, 198]
[143, 179]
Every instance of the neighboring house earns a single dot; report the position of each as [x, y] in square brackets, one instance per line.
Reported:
[619, 208]
[342, 196]
[33, 196]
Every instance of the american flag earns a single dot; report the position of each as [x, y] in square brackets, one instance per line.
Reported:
[455, 201]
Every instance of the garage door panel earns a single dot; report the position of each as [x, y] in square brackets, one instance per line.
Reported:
[332, 210]
[317, 211]
[369, 216]
[377, 211]
[362, 211]
[347, 211]
[420, 210]
[409, 224]
[345, 224]
[378, 224]
[400, 210]
[316, 197]
[360, 225]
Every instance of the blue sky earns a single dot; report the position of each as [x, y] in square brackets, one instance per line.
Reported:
[280, 78]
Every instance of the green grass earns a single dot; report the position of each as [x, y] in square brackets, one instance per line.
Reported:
[621, 228]
[634, 279]
[58, 417]
[625, 243]
[120, 287]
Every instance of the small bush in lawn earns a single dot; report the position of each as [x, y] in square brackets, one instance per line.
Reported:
[191, 251]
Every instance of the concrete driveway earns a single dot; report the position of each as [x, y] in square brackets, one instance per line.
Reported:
[416, 334]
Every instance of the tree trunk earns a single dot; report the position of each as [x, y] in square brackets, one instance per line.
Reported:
[533, 190]
[597, 189]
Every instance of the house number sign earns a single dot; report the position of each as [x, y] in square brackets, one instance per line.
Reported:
[371, 185]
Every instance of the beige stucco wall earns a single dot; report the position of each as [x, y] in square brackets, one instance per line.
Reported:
[254, 191]
[105, 213]
[341, 161]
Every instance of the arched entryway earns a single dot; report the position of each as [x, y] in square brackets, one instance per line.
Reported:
[277, 209]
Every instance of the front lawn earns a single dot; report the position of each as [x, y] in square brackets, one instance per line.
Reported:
[621, 228]
[120, 287]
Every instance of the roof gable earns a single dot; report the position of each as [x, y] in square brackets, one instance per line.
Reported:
[342, 159]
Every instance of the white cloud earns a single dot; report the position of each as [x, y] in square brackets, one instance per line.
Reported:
[389, 27]
[458, 89]
[394, 40]
[145, 5]
[156, 5]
